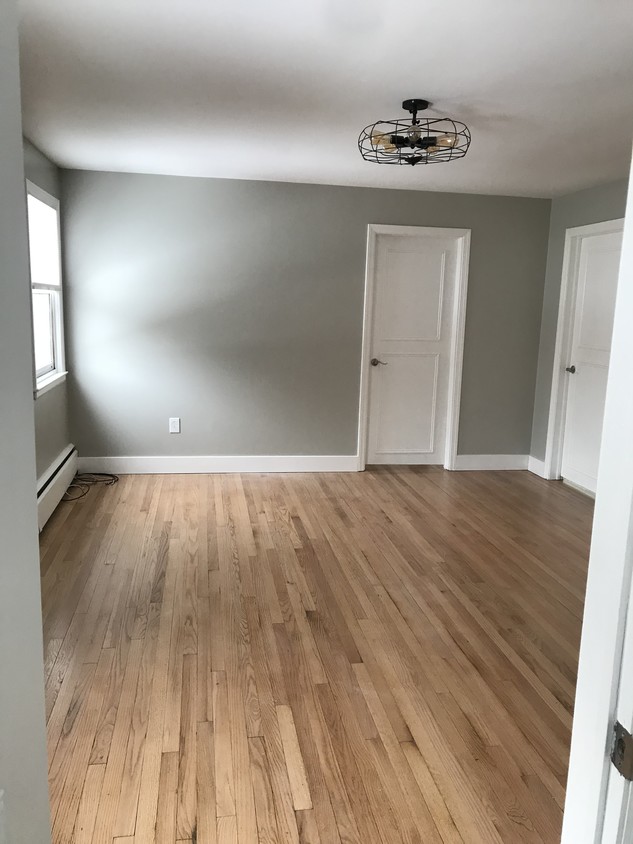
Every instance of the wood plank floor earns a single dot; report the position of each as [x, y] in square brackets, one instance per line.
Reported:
[327, 659]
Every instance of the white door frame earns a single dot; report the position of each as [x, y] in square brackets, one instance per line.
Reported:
[564, 338]
[458, 326]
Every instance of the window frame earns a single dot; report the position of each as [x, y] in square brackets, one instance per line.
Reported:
[51, 376]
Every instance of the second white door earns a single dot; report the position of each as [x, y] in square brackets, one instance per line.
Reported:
[588, 365]
[414, 288]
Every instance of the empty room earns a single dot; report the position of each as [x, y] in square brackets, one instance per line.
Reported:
[316, 480]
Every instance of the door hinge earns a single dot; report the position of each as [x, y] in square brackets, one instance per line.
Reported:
[622, 752]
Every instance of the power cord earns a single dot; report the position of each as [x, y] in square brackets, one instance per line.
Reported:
[84, 480]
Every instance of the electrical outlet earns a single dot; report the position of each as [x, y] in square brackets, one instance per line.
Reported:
[174, 424]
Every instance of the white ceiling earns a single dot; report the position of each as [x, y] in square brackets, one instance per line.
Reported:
[279, 89]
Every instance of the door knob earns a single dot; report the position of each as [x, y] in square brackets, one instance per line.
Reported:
[571, 369]
[376, 362]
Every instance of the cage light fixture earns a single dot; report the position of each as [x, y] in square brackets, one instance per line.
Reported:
[414, 141]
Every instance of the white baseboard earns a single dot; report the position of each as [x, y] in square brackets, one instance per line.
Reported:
[537, 467]
[218, 464]
[487, 462]
[588, 492]
[54, 482]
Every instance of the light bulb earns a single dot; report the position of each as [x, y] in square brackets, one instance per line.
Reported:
[382, 139]
[443, 142]
[378, 139]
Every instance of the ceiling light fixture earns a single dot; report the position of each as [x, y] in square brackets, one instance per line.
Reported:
[428, 141]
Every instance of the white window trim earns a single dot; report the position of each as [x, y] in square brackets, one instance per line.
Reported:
[41, 374]
[47, 380]
[45, 384]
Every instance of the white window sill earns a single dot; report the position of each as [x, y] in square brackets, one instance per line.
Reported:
[48, 383]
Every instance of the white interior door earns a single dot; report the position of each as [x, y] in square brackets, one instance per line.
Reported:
[589, 361]
[414, 288]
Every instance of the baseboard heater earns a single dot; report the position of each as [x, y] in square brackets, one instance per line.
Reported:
[52, 485]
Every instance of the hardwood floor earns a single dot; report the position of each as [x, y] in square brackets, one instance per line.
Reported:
[327, 659]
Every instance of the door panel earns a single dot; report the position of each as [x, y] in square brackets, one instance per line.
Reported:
[591, 346]
[582, 437]
[599, 271]
[407, 427]
[412, 327]
[409, 304]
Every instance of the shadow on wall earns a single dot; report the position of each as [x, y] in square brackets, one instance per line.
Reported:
[257, 357]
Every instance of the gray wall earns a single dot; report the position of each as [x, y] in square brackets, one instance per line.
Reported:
[238, 306]
[52, 433]
[606, 202]
[23, 764]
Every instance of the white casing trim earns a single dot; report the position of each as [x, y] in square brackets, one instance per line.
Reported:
[487, 462]
[50, 497]
[537, 467]
[218, 464]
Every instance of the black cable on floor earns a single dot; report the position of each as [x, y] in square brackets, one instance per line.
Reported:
[84, 480]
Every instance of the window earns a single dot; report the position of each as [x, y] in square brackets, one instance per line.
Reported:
[46, 287]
